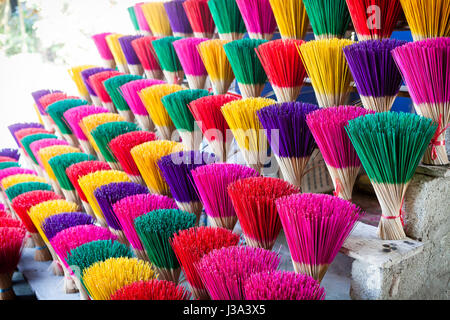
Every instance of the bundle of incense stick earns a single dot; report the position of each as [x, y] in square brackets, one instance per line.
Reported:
[78, 170]
[121, 149]
[253, 200]
[192, 244]
[13, 128]
[178, 20]
[284, 67]
[6, 159]
[133, 62]
[328, 70]
[37, 145]
[390, 146]
[112, 86]
[108, 195]
[133, 18]
[427, 18]
[376, 75]
[56, 111]
[130, 92]
[24, 187]
[316, 226]
[328, 128]
[152, 290]
[225, 271]
[46, 154]
[104, 278]
[151, 98]
[19, 178]
[147, 56]
[329, 18]
[177, 106]
[21, 204]
[228, 19]
[89, 123]
[57, 223]
[217, 65]
[47, 100]
[36, 96]
[73, 118]
[26, 144]
[96, 81]
[91, 181]
[241, 116]
[23, 133]
[8, 164]
[104, 50]
[157, 19]
[211, 182]
[258, 18]
[5, 173]
[11, 245]
[282, 285]
[75, 74]
[207, 113]
[176, 169]
[146, 157]
[84, 256]
[190, 60]
[168, 59]
[144, 28]
[10, 153]
[59, 164]
[291, 18]
[247, 68]
[119, 57]
[430, 91]
[104, 133]
[366, 27]
[39, 212]
[85, 74]
[200, 18]
[155, 230]
[129, 208]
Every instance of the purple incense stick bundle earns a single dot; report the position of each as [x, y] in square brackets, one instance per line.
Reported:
[425, 66]
[190, 60]
[107, 195]
[133, 62]
[10, 153]
[289, 137]
[282, 285]
[258, 18]
[85, 74]
[211, 182]
[176, 170]
[178, 19]
[376, 75]
[131, 207]
[225, 271]
[73, 118]
[13, 128]
[54, 224]
[316, 226]
[327, 127]
[130, 92]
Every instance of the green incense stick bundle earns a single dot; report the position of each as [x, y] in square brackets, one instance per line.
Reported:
[168, 59]
[228, 19]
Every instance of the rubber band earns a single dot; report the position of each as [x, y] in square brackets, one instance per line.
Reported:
[338, 187]
[434, 141]
[5, 290]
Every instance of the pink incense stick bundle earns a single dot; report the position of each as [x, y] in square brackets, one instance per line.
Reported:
[425, 66]
[284, 67]
[225, 271]
[19, 135]
[144, 28]
[283, 285]
[200, 18]
[211, 182]
[328, 129]
[147, 56]
[104, 50]
[74, 116]
[130, 92]
[316, 226]
[254, 202]
[258, 18]
[190, 60]
[130, 208]
[97, 81]
[192, 244]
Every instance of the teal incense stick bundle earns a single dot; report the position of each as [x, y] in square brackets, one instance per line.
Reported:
[228, 19]
[24, 187]
[168, 59]
[247, 68]
[390, 146]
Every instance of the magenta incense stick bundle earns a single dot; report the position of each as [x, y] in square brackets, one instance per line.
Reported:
[258, 18]
[328, 129]
[192, 63]
[104, 50]
[316, 226]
